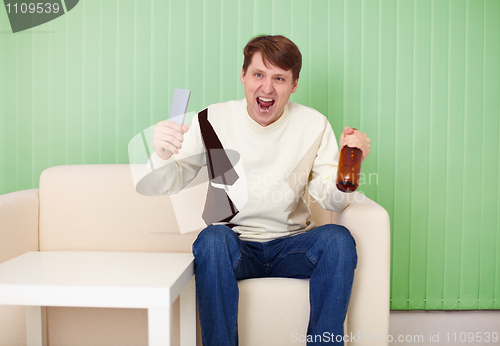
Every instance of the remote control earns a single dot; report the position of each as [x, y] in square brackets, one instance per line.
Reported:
[179, 105]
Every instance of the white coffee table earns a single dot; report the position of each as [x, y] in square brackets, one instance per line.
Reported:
[144, 280]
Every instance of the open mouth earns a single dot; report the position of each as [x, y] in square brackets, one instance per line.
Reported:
[265, 104]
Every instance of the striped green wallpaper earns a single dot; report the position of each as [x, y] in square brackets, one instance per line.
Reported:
[421, 77]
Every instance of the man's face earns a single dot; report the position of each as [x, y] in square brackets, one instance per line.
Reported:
[267, 90]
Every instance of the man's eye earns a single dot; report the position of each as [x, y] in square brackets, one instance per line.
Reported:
[258, 75]
[279, 79]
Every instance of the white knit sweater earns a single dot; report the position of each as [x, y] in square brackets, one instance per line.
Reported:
[274, 164]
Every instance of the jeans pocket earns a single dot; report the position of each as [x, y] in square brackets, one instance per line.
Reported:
[292, 252]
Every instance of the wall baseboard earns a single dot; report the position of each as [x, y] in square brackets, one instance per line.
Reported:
[475, 327]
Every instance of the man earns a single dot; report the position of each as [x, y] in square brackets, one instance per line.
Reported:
[262, 152]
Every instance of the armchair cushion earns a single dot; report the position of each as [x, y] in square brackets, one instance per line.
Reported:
[272, 311]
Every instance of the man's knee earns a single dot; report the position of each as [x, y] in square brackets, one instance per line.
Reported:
[343, 235]
[213, 239]
[346, 244]
[337, 233]
[338, 238]
[215, 233]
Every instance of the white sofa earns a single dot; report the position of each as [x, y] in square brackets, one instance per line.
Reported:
[96, 207]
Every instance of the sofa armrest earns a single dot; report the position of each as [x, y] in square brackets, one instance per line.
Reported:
[369, 224]
[18, 223]
[18, 234]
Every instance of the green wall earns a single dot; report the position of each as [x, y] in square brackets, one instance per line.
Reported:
[421, 77]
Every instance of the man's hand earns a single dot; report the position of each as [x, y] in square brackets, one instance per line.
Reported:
[355, 139]
[168, 137]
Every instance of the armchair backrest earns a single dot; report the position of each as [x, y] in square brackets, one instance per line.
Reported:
[96, 207]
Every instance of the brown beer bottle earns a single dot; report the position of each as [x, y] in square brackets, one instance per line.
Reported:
[349, 169]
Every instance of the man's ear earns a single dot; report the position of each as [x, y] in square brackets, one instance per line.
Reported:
[242, 77]
[295, 85]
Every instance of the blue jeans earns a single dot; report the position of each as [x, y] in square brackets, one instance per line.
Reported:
[326, 255]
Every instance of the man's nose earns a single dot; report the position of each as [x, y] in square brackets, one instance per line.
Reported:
[267, 85]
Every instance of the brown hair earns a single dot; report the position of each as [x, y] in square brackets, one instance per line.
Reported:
[277, 50]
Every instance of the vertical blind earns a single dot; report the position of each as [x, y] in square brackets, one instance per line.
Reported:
[421, 78]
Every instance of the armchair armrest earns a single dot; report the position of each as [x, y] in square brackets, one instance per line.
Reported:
[369, 224]
[18, 234]
[18, 223]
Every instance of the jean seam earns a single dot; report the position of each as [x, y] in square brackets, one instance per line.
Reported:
[311, 316]
[237, 262]
[235, 330]
[264, 251]
[247, 254]
[293, 252]
[314, 262]
[235, 333]
[298, 251]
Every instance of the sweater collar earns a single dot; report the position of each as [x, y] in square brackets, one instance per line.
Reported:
[263, 129]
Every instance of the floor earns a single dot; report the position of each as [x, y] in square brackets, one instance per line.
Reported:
[462, 328]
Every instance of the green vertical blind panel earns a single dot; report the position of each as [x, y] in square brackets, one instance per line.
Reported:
[422, 78]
